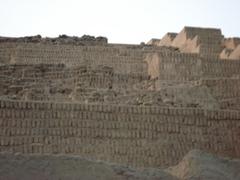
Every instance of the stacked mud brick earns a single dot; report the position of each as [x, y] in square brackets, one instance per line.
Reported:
[56, 96]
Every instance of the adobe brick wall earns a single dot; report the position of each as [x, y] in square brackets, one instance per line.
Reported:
[184, 67]
[131, 135]
[204, 41]
[123, 60]
[139, 136]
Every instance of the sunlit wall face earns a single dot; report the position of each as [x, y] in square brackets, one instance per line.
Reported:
[122, 21]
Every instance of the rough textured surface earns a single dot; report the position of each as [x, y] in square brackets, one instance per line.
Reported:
[141, 105]
[195, 165]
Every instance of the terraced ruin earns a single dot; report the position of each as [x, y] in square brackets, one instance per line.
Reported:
[142, 105]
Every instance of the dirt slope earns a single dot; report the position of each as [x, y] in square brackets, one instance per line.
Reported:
[196, 165]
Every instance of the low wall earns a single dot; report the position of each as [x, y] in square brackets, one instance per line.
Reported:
[130, 135]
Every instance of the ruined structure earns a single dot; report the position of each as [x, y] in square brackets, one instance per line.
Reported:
[140, 105]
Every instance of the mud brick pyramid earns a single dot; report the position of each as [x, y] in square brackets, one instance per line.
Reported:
[141, 105]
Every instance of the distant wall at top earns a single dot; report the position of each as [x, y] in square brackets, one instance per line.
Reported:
[123, 60]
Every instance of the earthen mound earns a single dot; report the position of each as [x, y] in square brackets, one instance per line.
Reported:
[200, 165]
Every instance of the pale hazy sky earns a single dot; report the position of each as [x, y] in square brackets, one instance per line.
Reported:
[122, 21]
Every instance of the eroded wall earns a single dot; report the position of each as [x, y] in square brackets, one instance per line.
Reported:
[123, 60]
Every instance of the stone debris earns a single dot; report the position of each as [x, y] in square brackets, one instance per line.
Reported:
[62, 39]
